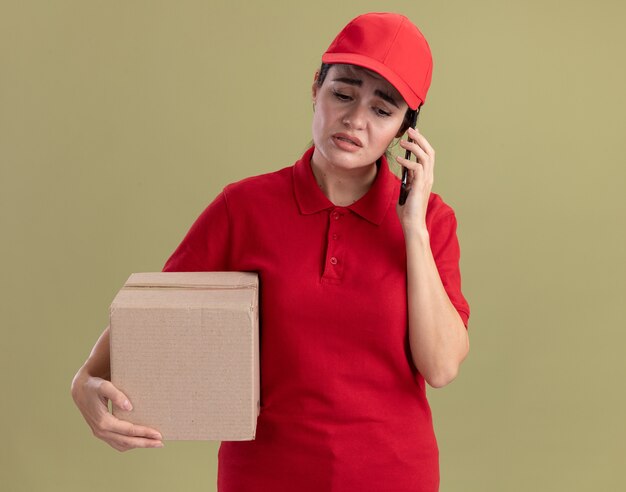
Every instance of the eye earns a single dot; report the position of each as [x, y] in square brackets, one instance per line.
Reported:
[341, 97]
[381, 112]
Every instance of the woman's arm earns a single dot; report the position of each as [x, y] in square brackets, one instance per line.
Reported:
[437, 336]
[98, 362]
[92, 389]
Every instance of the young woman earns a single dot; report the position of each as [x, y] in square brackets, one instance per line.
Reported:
[361, 296]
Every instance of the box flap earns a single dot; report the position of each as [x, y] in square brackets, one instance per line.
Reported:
[190, 280]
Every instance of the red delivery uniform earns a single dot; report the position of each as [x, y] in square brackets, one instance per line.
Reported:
[343, 407]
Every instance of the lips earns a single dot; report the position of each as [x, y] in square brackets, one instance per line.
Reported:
[347, 138]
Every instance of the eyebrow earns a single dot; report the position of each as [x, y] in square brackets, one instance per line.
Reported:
[383, 95]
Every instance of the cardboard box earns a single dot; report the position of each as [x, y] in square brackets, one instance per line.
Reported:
[185, 350]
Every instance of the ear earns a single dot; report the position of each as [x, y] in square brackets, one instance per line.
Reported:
[314, 87]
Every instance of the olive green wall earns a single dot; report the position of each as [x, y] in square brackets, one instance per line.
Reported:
[121, 120]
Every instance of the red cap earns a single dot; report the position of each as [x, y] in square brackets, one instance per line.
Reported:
[390, 45]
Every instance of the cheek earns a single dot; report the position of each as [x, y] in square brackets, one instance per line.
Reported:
[319, 120]
[388, 133]
[316, 124]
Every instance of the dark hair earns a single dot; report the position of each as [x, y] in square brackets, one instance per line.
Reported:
[408, 116]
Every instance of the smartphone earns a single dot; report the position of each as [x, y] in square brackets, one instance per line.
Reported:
[404, 191]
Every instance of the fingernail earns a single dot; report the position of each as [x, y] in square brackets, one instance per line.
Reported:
[157, 436]
[160, 445]
[126, 405]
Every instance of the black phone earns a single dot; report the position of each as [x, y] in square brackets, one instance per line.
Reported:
[404, 191]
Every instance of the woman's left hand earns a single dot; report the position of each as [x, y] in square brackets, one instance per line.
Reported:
[419, 181]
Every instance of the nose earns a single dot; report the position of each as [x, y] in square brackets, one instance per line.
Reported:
[355, 117]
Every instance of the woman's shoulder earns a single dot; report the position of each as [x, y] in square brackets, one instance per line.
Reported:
[260, 187]
[437, 207]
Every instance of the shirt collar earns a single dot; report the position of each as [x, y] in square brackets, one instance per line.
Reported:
[372, 206]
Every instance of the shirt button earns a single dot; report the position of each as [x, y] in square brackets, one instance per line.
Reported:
[335, 236]
[336, 215]
[333, 261]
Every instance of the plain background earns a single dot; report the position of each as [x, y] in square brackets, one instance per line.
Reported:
[121, 120]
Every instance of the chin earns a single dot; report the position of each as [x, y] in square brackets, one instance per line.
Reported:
[346, 160]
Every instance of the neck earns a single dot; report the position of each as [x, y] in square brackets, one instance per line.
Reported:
[341, 186]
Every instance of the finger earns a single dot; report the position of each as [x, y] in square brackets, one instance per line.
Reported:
[415, 134]
[125, 443]
[422, 151]
[423, 162]
[125, 428]
[426, 159]
[414, 148]
[119, 399]
[109, 425]
[409, 164]
[415, 174]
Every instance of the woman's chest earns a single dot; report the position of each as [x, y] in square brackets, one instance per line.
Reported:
[333, 272]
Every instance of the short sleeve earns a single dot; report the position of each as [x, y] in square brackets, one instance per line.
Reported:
[205, 247]
[446, 251]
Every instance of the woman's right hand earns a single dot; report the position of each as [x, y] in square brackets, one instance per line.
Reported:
[91, 395]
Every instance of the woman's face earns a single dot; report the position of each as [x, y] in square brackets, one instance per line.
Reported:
[357, 115]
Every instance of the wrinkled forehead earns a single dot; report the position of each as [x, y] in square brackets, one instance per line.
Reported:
[359, 73]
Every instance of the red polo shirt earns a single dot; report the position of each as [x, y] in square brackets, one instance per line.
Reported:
[343, 407]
